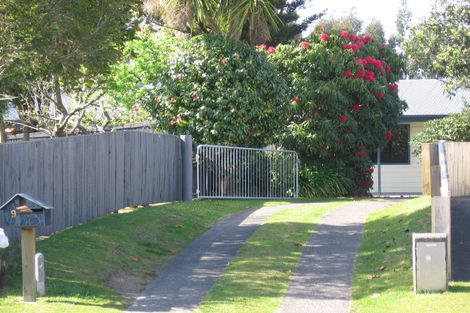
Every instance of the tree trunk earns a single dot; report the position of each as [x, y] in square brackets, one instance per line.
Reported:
[3, 135]
[25, 133]
[60, 129]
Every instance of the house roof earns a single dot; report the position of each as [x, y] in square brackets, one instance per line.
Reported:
[427, 99]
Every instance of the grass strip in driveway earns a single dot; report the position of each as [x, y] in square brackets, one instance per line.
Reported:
[383, 281]
[91, 266]
[257, 279]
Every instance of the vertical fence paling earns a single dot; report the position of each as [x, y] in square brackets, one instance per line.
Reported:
[236, 172]
[86, 177]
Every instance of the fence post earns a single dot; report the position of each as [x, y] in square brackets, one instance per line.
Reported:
[187, 160]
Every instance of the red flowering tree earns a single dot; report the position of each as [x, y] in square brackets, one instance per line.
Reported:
[345, 100]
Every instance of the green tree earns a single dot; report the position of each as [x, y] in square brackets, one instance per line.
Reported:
[218, 90]
[345, 101]
[289, 27]
[402, 23]
[455, 127]
[375, 29]
[228, 17]
[439, 46]
[64, 47]
[349, 22]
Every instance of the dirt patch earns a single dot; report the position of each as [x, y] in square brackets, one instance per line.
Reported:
[126, 284]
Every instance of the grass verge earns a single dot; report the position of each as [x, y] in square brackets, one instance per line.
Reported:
[257, 279]
[383, 281]
[91, 267]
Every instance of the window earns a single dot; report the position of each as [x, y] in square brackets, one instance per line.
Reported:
[397, 151]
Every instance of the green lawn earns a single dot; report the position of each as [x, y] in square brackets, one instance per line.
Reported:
[383, 280]
[258, 277]
[120, 250]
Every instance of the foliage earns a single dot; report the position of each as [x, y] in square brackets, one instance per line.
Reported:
[61, 47]
[345, 101]
[349, 22]
[455, 127]
[439, 46]
[220, 91]
[128, 247]
[289, 28]
[375, 29]
[402, 23]
[322, 182]
[251, 19]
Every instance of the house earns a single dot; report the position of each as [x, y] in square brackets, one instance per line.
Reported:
[400, 169]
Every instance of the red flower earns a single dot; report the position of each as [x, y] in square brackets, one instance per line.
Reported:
[361, 153]
[379, 95]
[369, 76]
[360, 74]
[370, 170]
[295, 100]
[262, 46]
[194, 97]
[362, 61]
[343, 118]
[355, 47]
[393, 87]
[388, 68]
[352, 37]
[347, 73]
[356, 107]
[379, 65]
[304, 44]
[389, 135]
[271, 49]
[366, 39]
[344, 33]
[351, 46]
[247, 136]
[324, 37]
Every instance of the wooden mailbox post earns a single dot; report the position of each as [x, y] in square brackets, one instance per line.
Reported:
[25, 212]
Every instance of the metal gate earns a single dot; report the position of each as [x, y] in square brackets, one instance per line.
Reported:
[246, 173]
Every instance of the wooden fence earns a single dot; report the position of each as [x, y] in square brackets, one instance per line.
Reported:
[457, 158]
[86, 177]
[446, 177]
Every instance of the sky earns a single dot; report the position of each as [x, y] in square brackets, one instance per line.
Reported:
[384, 11]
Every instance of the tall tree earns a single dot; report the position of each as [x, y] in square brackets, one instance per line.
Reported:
[350, 22]
[439, 46]
[290, 27]
[376, 30]
[402, 22]
[228, 17]
[64, 48]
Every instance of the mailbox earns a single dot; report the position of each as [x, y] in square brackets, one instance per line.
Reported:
[23, 210]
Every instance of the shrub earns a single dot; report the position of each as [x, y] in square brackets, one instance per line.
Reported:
[345, 101]
[217, 90]
[455, 127]
[322, 182]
